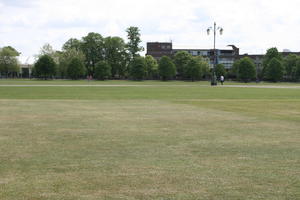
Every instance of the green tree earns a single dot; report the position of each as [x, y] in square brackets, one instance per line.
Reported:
[274, 70]
[233, 72]
[103, 70]
[181, 59]
[220, 70]
[193, 69]
[151, 67]
[271, 53]
[115, 55]
[205, 70]
[134, 40]
[166, 68]
[76, 68]
[45, 67]
[245, 68]
[8, 61]
[138, 68]
[65, 58]
[289, 63]
[72, 43]
[296, 70]
[92, 47]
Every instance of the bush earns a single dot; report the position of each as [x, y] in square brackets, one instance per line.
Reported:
[166, 68]
[102, 70]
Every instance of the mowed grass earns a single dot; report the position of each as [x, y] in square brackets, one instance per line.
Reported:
[157, 142]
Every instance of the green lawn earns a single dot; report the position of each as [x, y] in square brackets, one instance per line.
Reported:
[157, 140]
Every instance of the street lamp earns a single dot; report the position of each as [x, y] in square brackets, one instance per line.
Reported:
[214, 29]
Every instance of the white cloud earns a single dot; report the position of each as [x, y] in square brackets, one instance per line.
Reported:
[252, 25]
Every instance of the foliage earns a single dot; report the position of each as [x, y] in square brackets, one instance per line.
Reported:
[115, 55]
[102, 70]
[134, 40]
[138, 68]
[72, 43]
[45, 67]
[76, 68]
[8, 60]
[245, 68]
[92, 47]
[166, 68]
[290, 65]
[151, 67]
[274, 71]
[220, 70]
[193, 69]
[296, 71]
[65, 59]
[181, 59]
[271, 53]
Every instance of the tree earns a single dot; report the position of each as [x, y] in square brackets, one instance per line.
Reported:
[138, 68]
[274, 70]
[65, 59]
[115, 55]
[245, 68]
[193, 69]
[181, 59]
[102, 70]
[233, 72]
[47, 49]
[76, 68]
[166, 68]
[8, 61]
[92, 47]
[151, 67]
[289, 63]
[72, 43]
[271, 53]
[296, 70]
[134, 40]
[204, 62]
[220, 70]
[45, 67]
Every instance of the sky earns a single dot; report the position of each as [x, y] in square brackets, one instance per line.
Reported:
[252, 25]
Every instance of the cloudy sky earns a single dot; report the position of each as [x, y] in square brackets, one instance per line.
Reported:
[252, 25]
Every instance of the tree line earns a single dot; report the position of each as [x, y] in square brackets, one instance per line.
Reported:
[112, 58]
[275, 67]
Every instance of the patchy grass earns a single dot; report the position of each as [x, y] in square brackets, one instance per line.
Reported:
[169, 142]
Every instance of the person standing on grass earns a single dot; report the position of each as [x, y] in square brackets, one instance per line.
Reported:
[222, 79]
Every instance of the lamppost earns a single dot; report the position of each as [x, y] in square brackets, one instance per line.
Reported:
[215, 29]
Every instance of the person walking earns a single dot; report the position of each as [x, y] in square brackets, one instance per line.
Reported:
[222, 79]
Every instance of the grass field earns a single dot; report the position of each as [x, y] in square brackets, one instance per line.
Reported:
[157, 140]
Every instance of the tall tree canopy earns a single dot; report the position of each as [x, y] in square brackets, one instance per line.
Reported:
[8, 60]
[115, 55]
[93, 48]
[134, 40]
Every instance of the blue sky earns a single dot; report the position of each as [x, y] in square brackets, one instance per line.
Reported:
[252, 25]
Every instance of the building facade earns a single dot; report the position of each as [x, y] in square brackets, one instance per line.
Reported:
[224, 56]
